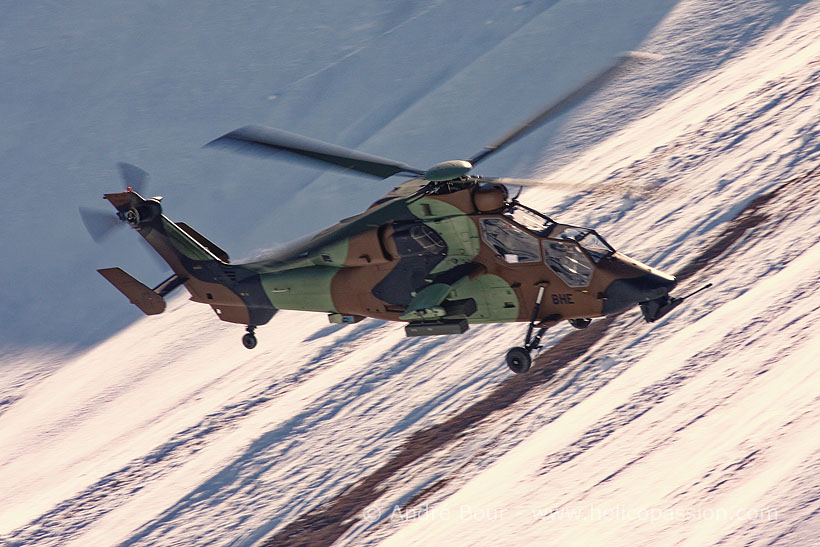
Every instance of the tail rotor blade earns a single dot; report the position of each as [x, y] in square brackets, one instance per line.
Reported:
[100, 224]
[133, 177]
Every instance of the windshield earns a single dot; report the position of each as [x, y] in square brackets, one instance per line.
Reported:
[589, 240]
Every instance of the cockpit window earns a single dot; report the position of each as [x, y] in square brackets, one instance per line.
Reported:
[531, 220]
[510, 242]
[568, 261]
[589, 240]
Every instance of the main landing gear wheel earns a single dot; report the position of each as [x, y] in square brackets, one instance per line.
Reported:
[519, 360]
[249, 339]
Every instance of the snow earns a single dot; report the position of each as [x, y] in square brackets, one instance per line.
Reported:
[701, 428]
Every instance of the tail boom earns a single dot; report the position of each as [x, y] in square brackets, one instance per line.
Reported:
[234, 292]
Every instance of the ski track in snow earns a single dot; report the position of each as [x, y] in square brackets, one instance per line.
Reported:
[152, 439]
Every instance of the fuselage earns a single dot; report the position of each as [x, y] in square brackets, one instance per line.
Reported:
[435, 257]
[471, 243]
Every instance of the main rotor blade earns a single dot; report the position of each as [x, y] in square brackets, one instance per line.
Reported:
[621, 64]
[564, 185]
[133, 176]
[100, 224]
[259, 139]
[155, 257]
[557, 184]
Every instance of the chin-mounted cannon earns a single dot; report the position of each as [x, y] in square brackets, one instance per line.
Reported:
[657, 308]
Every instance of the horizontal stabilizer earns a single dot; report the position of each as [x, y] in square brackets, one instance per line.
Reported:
[141, 296]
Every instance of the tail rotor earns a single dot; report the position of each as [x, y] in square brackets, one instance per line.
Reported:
[101, 223]
[133, 177]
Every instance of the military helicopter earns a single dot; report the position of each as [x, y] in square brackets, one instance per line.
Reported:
[441, 251]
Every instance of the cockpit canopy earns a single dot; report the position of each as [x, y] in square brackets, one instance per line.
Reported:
[522, 234]
[587, 238]
[530, 219]
[564, 255]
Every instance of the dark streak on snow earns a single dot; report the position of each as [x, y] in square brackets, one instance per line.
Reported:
[326, 523]
[425, 492]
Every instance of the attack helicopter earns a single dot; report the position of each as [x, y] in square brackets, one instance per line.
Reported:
[440, 251]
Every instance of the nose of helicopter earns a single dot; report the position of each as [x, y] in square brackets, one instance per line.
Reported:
[624, 293]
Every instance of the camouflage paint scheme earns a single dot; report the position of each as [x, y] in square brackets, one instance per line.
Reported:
[438, 252]
[422, 254]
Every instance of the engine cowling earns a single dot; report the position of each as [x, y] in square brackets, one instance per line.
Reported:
[490, 198]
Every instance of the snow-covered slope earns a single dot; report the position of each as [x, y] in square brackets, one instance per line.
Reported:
[698, 429]
[703, 429]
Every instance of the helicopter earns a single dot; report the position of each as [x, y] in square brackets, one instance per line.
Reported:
[441, 251]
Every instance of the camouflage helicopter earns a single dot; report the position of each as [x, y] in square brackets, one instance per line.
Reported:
[441, 251]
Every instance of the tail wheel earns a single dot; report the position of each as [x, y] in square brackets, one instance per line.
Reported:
[249, 340]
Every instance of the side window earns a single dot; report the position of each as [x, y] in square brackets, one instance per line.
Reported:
[510, 242]
[418, 239]
[568, 261]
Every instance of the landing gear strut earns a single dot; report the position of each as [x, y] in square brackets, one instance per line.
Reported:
[249, 339]
[518, 358]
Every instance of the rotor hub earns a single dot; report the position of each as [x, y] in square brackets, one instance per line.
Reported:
[132, 217]
[448, 170]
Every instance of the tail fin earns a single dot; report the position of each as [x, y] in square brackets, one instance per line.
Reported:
[178, 244]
